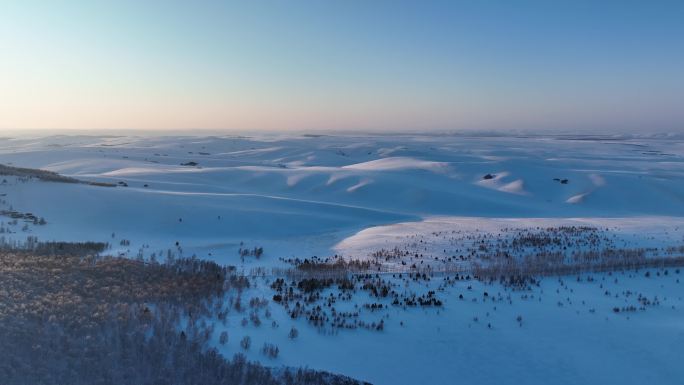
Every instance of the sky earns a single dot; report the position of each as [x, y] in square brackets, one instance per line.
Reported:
[599, 66]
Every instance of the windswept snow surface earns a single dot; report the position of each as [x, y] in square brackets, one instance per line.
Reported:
[300, 196]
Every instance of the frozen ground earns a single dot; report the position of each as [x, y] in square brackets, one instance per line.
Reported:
[300, 196]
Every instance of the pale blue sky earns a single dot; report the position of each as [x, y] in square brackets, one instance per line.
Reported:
[360, 65]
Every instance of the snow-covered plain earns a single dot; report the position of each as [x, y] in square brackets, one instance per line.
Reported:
[300, 196]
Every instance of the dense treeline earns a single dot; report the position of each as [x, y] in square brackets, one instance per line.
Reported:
[37, 247]
[532, 267]
[47, 176]
[70, 318]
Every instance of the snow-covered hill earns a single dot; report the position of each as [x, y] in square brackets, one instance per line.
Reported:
[279, 187]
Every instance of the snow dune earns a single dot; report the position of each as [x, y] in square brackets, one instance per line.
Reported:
[398, 164]
[515, 187]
